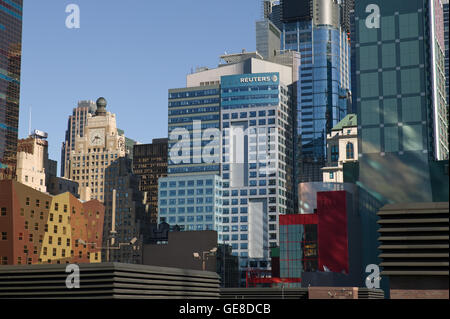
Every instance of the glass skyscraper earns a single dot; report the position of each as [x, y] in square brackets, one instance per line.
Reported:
[10, 63]
[192, 111]
[319, 30]
[447, 50]
[401, 117]
[257, 164]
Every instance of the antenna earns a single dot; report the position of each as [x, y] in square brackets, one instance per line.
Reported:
[29, 123]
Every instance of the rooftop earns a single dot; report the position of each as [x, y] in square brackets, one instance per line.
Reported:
[349, 121]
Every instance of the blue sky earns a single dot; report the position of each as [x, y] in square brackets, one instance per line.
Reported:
[131, 52]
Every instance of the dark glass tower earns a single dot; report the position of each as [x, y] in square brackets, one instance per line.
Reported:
[150, 163]
[401, 115]
[10, 61]
[447, 52]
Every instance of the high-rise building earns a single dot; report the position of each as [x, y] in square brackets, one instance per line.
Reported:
[268, 39]
[193, 188]
[93, 152]
[100, 165]
[246, 111]
[273, 10]
[319, 30]
[150, 164]
[75, 127]
[447, 49]
[10, 63]
[126, 211]
[401, 113]
[129, 144]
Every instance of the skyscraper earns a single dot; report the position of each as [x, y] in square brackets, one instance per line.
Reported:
[401, 114]
[246, 104]
[319, 30]
[150, 163]
[98, 162]
[75, 127]
[10, 63]
[447, 49]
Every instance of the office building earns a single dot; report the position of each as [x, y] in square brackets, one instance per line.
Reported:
[193, 113]
[150, 163]
[402, 120]
[93, 152]
[129, 144]
[192, 202]
[268, 39]
[255, 149]
[10, 64]
[32, 161]
[59, 185]
[37, 171]
[447, 52]
[37, 228]
[317, 29]
[273, 10]
[75, 127]
[126, 211]
[342, 148]
[100, 165]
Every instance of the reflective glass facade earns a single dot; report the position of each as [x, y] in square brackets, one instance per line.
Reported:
[150, 163]
[323, 89]
[396, 100]
[298, 251]
[447, 52]
[192, 111]
[192, 202]
[10, 62]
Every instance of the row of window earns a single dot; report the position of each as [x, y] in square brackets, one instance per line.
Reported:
[350, 152]
[189, 210]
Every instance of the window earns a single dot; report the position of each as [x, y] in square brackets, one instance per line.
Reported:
[350, 151]
[334, 153]
[331, 175]
[3, 211]
[4, 236]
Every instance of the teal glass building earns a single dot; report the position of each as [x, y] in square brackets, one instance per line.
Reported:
[399, 104]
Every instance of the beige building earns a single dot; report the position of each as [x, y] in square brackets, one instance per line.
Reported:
[32, 161]
[342, 147]
[94, 152]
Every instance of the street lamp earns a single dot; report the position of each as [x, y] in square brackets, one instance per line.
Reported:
[130, 243]
[204, 256]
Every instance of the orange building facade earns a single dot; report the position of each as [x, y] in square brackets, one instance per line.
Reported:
[38, 228]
